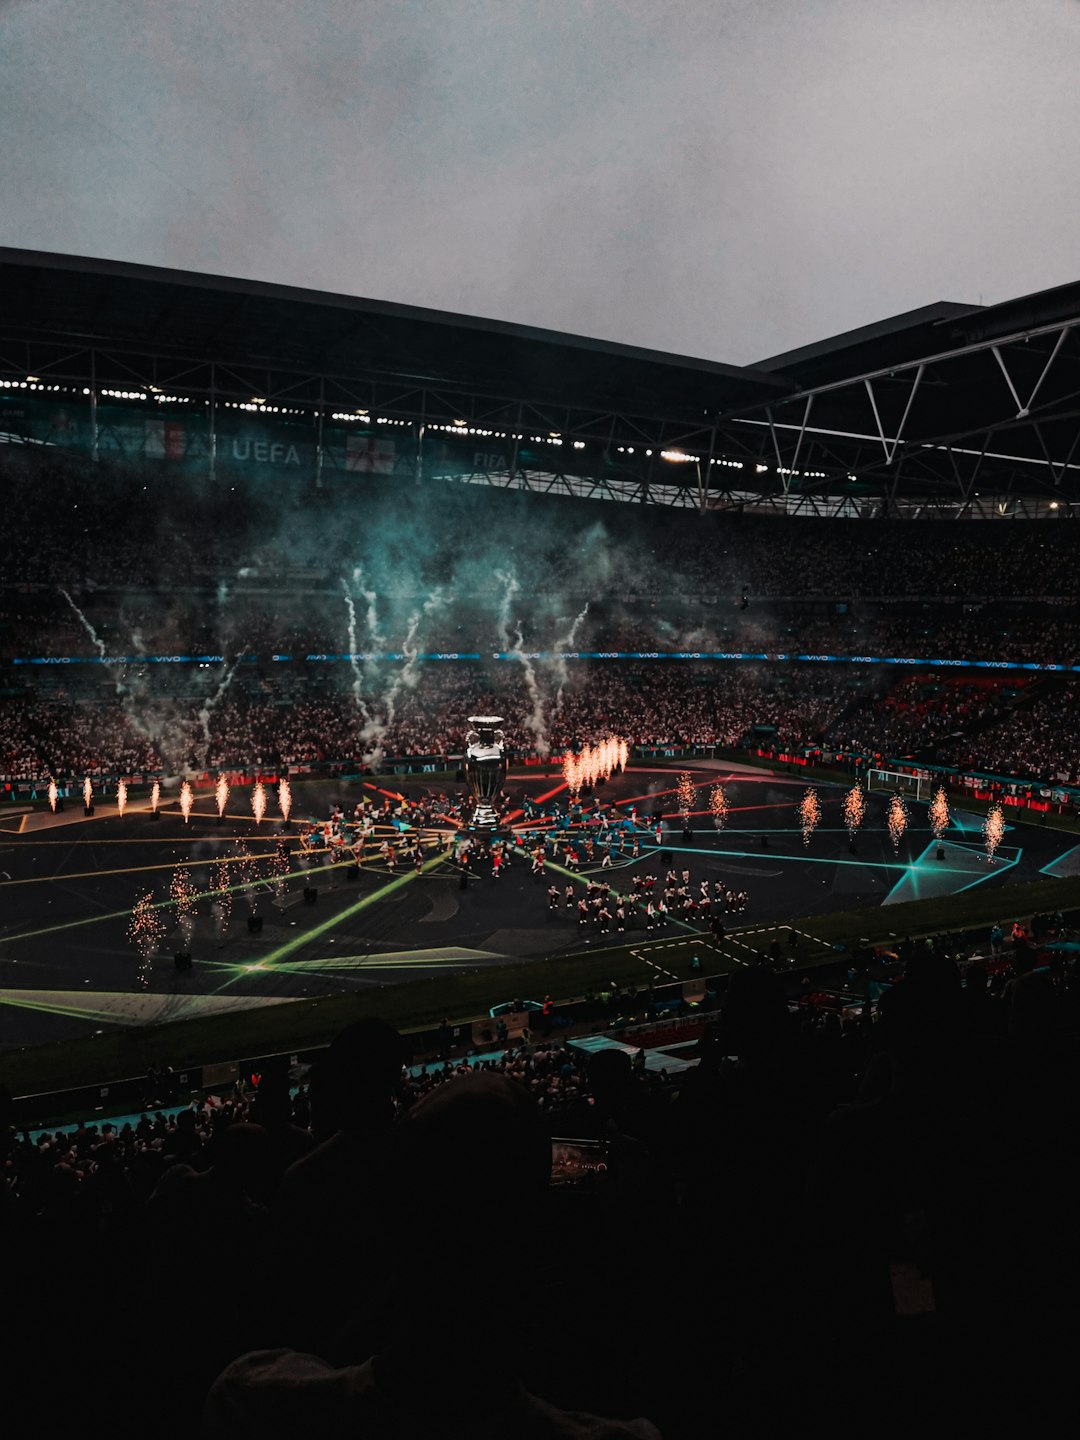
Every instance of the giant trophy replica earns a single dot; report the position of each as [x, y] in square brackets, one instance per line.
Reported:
[485, 767]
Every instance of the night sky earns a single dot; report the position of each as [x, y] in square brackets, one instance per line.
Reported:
[718, 178]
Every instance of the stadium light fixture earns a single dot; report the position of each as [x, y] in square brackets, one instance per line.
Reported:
[32, 380]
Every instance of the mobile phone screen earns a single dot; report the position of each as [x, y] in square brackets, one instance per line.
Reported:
[575, 1162]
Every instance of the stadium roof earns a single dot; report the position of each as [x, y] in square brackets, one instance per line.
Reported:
[905, 336]
[954, 408]
[948, 402]
[249, 323]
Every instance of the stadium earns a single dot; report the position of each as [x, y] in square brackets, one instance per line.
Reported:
[784, 661]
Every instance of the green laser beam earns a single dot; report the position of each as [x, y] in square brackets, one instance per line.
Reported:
[264, 882]
[808, 859]
[70, 1012]
[298, 941]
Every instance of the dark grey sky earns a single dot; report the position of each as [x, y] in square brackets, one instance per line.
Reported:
[724, 178]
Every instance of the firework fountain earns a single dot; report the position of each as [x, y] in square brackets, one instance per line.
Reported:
[993, 830]
[854, 811]
[284, 800]
[222, 892]
[155, 798]
[247, 867]
[184, 897]
[280, 868]
[221, 795]
[187, 799]
[939, 813]
[258, 803]
[121, 798]
[897, 819]
[809, 814]
[87, 793]
[53, 793]
[718, 805]
[146, 929]
[595, 762]
[685, 794]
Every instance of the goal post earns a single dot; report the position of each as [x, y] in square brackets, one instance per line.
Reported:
[915, 787]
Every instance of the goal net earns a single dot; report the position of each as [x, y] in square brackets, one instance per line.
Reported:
[914, 787]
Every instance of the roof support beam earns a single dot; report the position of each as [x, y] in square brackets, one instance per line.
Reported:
[907, 411]
[802, 432]
[785, 480]
[877, 419]
[1065, 329]
[1020, 411]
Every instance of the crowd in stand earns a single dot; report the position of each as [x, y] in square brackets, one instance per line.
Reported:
[917, 715]
[1042, 737]
[230, 570]
[382, 1254]
[275, 622]
[75, 526]
[660, 705]
[75, 727]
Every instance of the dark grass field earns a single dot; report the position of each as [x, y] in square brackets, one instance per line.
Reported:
[68, 967]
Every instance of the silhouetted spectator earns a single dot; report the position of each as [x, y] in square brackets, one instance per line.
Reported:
[470, 1174]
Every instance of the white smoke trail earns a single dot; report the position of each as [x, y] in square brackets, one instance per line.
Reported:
[375, 637]
[123, 692]
[535, 720]
[372, 617]
[375, 731]
[558, 664]
[358, 674]
[511, 588]
[211, 704]
[95, 638]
